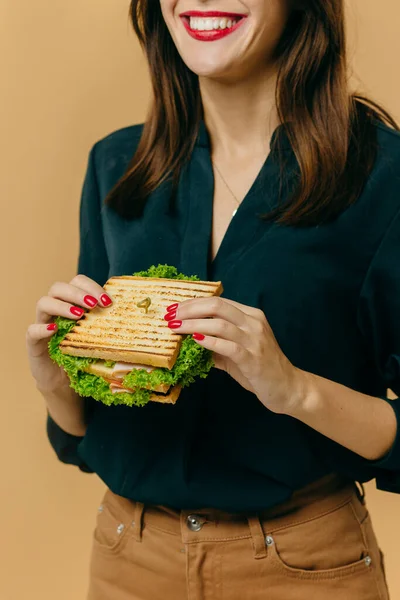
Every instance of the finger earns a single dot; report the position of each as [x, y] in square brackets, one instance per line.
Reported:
[85, 295]
[211, 307]
[235, 352]
[248, 310]
[214, 327]
[37, 338]
[72, 294]
[91, 287]
[219, 361]
[49, 307]
[252, 311]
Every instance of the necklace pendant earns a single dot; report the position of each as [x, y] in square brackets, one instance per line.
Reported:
[234, 212]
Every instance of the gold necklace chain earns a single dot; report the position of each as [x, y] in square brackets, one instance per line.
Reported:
[236, 209]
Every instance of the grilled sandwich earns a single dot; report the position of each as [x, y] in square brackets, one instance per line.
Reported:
[132, 332]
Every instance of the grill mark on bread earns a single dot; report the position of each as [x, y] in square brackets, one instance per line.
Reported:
[160, 349]
[122, 327]
[124, 332]
[127, 349]
[112, 334]
[161, 282]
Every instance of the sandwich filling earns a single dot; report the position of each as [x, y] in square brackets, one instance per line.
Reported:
[114, 375]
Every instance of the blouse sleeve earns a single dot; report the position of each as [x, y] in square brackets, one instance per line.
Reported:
[379, 321]
[92, 262]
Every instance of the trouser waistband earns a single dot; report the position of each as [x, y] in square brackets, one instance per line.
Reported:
[209, 524]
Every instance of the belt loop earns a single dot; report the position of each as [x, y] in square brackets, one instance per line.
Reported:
[360, 494]
[257, 534]
[138, 521]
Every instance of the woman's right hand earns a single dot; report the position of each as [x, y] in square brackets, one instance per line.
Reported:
[64, 300]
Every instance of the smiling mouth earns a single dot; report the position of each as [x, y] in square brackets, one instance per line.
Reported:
[210, 24]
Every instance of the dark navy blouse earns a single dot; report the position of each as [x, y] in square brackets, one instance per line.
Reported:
[331, 294]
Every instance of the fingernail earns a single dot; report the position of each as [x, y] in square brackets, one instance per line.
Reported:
[106, 300]
[52, 326]
[198, 336]
[90, 301]
[170, 316]
[78, 312]
[174, 324]
[172, 306]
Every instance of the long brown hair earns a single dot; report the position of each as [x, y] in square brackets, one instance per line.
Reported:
[331, 130]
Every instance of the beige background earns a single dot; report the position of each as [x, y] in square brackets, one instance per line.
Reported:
[71, 73]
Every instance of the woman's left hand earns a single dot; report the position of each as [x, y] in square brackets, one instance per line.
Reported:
[244, 346]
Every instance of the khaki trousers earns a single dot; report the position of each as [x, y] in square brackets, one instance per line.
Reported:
[319, 545]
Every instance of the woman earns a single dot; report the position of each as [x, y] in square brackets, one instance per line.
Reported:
[257, 167]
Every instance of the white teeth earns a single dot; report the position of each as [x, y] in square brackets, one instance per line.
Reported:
[208, 24]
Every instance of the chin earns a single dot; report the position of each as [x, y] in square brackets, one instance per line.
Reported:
[208, 69]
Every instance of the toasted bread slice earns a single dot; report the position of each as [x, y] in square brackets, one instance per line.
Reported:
[101, 370]
[170, 398]
[125, 332]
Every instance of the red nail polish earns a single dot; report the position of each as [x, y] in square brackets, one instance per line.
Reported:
[52, 326]
[174, 324]
[170, 316]
[106, 300]
[172, 307]
[78, 312]
[198, 336]
[90, 301]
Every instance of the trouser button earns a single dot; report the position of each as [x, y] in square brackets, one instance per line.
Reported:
[194, 522]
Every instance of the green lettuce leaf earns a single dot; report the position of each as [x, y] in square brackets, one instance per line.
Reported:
[166, 272]
[193, 360]
[109, 364]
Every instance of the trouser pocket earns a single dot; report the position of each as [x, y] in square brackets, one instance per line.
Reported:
[329, 545]
[112, 529]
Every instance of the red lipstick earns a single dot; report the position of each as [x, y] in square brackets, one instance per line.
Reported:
[213, 34]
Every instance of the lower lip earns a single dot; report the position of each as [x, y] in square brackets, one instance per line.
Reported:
[211, 35]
